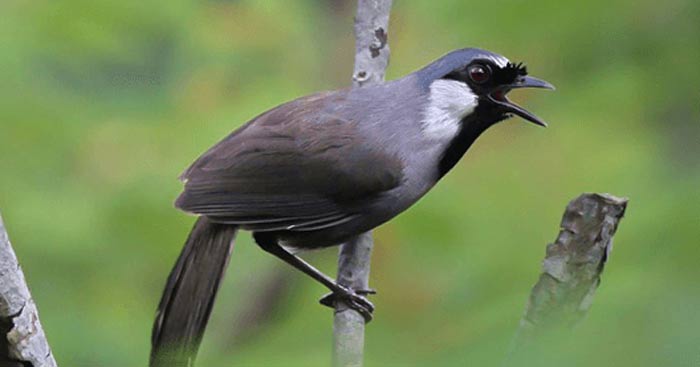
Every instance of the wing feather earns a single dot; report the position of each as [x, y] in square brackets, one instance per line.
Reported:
[301, 166]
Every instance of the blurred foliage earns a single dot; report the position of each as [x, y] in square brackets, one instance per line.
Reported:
[104, 102]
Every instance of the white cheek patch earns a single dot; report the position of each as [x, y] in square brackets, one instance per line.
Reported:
[449, 102]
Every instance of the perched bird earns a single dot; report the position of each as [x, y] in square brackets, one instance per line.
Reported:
[323, 168]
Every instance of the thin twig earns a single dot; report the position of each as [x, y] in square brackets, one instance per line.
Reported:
[371, 60]
[348, 324]
[24, 342]
[571, 269]
[371, 42]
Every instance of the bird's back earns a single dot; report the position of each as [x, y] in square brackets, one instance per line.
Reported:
[306, 165]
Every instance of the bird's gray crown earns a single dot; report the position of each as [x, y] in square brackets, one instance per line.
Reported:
[455, 60]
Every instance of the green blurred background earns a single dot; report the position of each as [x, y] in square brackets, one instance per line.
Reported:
[103, 103]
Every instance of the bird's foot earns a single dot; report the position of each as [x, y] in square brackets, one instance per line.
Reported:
[354, 299]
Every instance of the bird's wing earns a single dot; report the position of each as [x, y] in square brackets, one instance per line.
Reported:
[299, 167]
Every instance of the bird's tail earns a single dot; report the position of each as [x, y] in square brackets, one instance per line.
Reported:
[189, 294]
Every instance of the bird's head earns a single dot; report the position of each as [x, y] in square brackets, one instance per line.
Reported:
[473, 84]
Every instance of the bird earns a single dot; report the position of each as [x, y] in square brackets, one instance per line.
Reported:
[321, 169]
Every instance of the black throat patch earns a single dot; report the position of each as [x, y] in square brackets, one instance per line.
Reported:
[470, 129]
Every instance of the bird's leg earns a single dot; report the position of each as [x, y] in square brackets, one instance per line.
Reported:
[355, 299]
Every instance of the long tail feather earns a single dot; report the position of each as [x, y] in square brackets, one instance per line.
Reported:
[189, 294]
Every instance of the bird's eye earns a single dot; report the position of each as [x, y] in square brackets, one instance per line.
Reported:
[479, 74]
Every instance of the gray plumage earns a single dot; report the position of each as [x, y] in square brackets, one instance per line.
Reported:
[323, 168]
[318, 163]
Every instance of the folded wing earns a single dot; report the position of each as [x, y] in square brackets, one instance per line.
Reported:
[301, 166]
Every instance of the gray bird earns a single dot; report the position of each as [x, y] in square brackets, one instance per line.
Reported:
[318, 170]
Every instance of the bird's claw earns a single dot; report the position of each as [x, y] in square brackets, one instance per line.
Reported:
[354, 299]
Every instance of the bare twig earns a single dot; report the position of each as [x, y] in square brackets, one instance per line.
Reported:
[23, 342]
[572, 267]
[371, 42]
[349, 325]
[371, 59]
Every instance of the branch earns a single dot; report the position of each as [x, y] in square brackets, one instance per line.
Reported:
[371, 59]
[24, 343]
[572, 266]
[371, 42]
[348, 324]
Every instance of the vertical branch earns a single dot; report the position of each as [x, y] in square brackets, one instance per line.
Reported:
[348, 324]
[572, 267]
[23, 342]
[371, 60]
[371, 42]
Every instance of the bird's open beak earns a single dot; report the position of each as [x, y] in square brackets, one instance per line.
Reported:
[499, 98]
